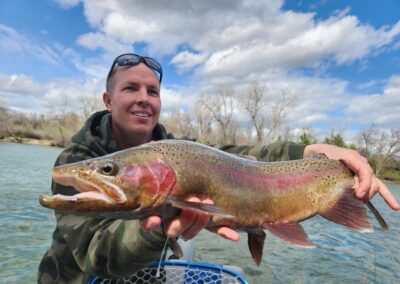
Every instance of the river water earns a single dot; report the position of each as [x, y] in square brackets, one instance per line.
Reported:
[341, 255]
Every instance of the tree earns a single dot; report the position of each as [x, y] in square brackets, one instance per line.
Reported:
[367, 140]
[179, 122]
[221, 107]
[5, 120]
[90, 104]
[308, 137]
[278, 112]
[253, 101]
[203, 124]
[388, 148]
[336, 140]
[380, 146]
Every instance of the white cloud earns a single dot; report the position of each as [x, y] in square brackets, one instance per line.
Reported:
[19, 84]
[15, 43]
[186, 60]
[172, 98]
[23, 93]
[100, 41]
[381, 109]
[240, 36]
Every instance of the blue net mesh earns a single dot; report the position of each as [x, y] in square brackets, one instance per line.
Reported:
[176, 272]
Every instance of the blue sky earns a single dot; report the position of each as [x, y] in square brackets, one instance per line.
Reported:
[340, 59]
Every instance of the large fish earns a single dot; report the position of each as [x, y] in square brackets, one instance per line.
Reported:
[249, 195]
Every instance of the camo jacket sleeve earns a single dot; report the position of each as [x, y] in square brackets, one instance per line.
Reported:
[85, 246]
[278, 151]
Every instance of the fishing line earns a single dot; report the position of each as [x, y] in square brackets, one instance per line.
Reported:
[161, 258]
[374, 264]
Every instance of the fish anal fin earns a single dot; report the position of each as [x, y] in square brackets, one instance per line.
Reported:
[378, 216]
[198, 207]
[175, 247]
[255, 241]
[348, 211]
[291, 232]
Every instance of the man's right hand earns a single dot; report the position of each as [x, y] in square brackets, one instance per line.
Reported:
[188, 224]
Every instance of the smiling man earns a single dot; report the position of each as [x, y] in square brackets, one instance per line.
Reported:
[133, 98]
[84, 246]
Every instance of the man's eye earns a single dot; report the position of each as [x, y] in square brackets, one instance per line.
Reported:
[153, 93]
[130, 88]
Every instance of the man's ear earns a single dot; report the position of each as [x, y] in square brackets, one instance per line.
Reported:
[107, 100]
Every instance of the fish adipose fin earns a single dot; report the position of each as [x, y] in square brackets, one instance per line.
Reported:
[199, 207]
[255, 241]
[291, 232]
[348, 211]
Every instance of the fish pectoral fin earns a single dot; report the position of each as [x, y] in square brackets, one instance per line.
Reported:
[198, 207]
[291, 232]
[348, 211]
[255, 241]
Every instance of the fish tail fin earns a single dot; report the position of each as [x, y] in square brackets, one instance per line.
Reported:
[348, 211]
[255, 241]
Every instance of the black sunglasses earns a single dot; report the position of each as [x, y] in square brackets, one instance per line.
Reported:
[130, 59]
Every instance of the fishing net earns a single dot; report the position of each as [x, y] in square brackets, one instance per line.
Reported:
[176, 272]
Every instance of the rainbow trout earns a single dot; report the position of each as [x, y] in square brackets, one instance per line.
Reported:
[158, 177]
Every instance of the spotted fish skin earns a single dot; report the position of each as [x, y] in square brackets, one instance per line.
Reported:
[247, 194]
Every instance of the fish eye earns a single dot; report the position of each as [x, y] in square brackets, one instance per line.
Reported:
[108, 169]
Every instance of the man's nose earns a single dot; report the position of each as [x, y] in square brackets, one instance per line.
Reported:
[142, 95]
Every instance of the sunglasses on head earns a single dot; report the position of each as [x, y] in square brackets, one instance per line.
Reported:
[131, 59]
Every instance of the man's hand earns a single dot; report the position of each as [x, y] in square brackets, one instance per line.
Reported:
[188, 224]
[366, 184]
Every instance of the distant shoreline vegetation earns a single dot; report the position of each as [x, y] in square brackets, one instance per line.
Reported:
[380, 147]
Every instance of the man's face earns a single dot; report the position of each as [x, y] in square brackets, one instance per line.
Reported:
[134, 101]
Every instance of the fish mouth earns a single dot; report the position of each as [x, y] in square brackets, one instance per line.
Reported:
[94, 193]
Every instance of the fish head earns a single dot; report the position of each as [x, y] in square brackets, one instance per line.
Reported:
[116, 182]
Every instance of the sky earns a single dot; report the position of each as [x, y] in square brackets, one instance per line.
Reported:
[340, 59]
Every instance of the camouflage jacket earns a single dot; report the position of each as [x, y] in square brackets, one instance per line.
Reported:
[83, 246]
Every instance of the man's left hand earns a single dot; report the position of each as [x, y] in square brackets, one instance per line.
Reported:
[366, 183]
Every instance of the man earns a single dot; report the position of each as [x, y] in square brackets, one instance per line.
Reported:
[84, 246]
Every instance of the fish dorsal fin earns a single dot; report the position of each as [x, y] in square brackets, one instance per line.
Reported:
[348, 211]
[291, 232]
[198, 207]
[255, 241]
[247, 157]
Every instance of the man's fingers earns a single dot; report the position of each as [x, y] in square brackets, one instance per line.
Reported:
[188, 223]
[150, 223]
[387, 195]
[198, 224]
[359, 165]
[226, 233]
[179, 224]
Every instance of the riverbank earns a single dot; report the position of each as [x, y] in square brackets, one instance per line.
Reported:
[31, 141]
